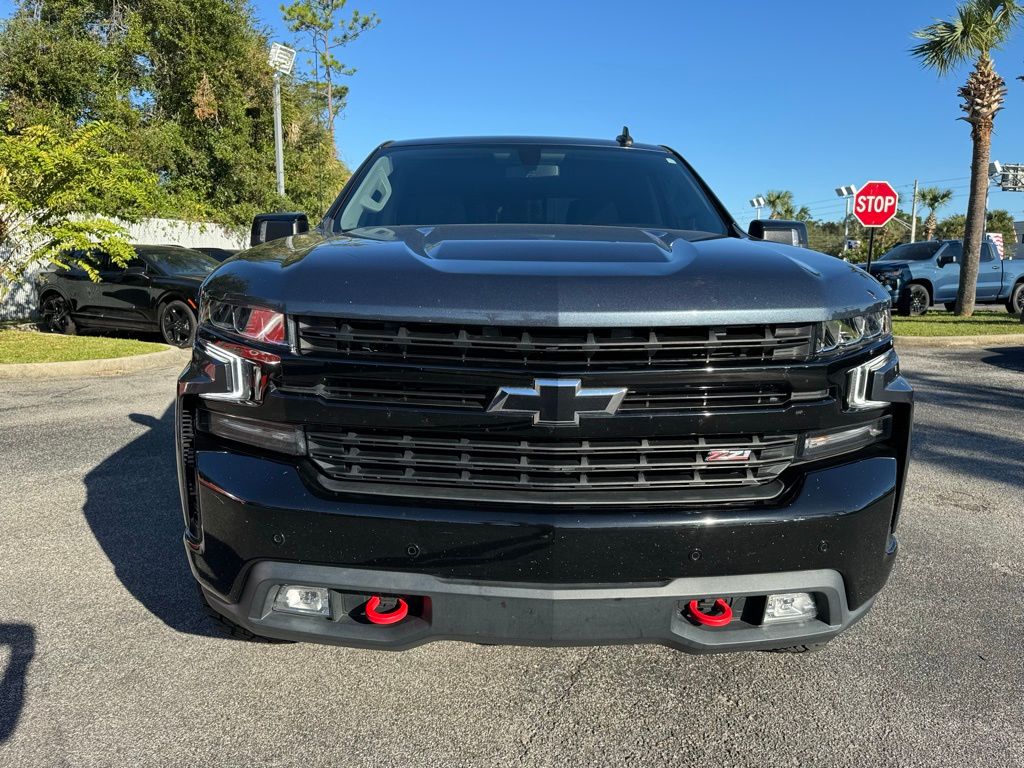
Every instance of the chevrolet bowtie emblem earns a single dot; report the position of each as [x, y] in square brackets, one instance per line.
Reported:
[557, 401]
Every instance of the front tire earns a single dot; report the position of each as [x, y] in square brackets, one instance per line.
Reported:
[55, 315]
[177, 323]
[915, 301]
[1015, 306]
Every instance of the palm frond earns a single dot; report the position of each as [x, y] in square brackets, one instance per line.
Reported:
[978, 27]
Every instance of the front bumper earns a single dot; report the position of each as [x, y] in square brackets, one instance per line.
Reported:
[531, 614]
[540, 577]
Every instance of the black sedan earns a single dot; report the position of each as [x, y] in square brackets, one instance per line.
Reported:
[157, 291]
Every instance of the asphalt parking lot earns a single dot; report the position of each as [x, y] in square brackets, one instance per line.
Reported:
[107, 661]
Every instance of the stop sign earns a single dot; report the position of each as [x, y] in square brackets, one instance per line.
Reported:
[875, 203]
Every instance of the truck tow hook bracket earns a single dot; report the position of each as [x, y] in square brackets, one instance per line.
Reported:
[720, 619]
[395, 615]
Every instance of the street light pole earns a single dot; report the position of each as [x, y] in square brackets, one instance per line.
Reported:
[278, 136]
[282, 59]
[847, 194]
[757, 204]
[913, 216]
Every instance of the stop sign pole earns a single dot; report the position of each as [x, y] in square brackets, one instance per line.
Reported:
[874, 205]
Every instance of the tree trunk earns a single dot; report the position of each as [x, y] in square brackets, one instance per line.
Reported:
[974, 233]
[330, 104]
[983, 96]
[930, 225]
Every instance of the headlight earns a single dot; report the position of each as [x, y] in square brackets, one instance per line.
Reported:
[889, 278]
[852, 332]
[249, 323]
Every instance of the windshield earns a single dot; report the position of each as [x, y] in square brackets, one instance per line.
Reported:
[179, 261]
[912, 252]
[529, 184]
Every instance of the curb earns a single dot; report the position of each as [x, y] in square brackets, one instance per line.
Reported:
[111, 366]
[991, 340]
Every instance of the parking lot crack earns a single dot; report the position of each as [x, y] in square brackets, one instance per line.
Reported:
[549, 711]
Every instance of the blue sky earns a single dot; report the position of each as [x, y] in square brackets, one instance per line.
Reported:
[798, 95]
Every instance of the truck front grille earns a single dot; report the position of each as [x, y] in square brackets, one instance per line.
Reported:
[399, 393]
[537, 349]
[563, 471]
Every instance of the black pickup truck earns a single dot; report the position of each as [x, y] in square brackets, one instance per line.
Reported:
[540, 391]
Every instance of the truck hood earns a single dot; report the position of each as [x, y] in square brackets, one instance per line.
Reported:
[546, 275]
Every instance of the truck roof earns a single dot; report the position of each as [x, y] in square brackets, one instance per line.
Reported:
[549, 140]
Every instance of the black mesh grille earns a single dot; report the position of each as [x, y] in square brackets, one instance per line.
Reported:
[566, 467]
[553, 348]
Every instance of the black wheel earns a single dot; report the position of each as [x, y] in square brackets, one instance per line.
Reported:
[918, 299]
[228, 627]
[55, 315]
[950, 306]
[177, 323]
[1015, 306]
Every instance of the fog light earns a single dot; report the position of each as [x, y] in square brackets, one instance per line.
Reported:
[817, 445]
[314, 601]
[790, 606]
[273, 436]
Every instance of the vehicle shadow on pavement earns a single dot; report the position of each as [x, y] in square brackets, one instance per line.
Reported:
[133, 509]
[1009, 358]
[21, 640]
[970, 447]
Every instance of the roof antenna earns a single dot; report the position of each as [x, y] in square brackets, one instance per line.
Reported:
[624, 139]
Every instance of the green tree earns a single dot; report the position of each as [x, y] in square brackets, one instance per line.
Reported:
[71, 65]
[329, 29]
[189, 87]
[979, 28]
[61, 193]
[780, 203]
[1001, 221]
[933, 198]
[886, 238]
[952, 227]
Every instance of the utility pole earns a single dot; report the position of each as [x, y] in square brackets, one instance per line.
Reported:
[913, 216]
[282, 59]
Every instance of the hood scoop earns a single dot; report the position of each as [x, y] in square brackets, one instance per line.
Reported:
[550, 245]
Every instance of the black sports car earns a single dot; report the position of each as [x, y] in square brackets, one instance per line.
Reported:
[217, 254]
[158, 290]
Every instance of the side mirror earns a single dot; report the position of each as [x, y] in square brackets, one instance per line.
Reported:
[274, 226]
[946, 258]
[135, 269]
[779, 231]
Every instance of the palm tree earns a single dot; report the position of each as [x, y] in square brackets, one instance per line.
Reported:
[933, 198]
[780, 203]
[979, 27]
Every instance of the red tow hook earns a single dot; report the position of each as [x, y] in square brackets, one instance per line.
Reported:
[399, 612]
[717, 620]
